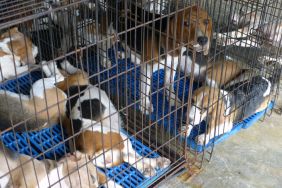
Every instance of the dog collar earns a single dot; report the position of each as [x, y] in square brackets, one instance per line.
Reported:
[227, 102]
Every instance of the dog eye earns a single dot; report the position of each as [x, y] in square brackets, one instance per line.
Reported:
[187, 23]
[206, 21]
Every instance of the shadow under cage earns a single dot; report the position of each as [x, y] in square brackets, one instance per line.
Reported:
[127, 93]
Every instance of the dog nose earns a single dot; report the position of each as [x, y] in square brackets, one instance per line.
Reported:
[202, 40]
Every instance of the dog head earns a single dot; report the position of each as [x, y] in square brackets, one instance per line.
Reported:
[192, 24]
[17, 44]
[81, 171]
[207, 104]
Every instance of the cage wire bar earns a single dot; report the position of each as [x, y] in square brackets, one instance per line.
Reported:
[98, 93]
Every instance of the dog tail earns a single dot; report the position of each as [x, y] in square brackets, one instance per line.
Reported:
[14, 115]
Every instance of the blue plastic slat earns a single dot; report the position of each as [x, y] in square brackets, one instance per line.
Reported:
[21, 84]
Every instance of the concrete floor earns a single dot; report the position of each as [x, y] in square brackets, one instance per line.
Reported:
[251, 158]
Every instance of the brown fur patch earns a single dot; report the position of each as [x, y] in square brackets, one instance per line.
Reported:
[79, 78]
[93, 141]
[20, 45]
[223, 72]
[212, 102]
[2, 53]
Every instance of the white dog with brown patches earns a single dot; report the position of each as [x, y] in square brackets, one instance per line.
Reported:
[16, 52]
[93, 115]
[222, 108]
[19, 170]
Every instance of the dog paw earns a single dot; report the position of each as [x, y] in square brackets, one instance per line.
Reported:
[152, 165]
[46, 69]
[146, 106]
[188, 131]
[161, 163]
[202, 139]
[106, 63]
[121, 55]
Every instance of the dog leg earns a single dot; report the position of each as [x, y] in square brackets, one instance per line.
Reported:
[21, 69]
[184, 131]
[103, 52]
[145, 77]
[69, 68]
[204, 139]
[169, 85]
[11, 68]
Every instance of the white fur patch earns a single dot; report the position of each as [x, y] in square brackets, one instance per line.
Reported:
[227, 102]
[4, 180]
[54, 176]
[34, 50]
[268, 90]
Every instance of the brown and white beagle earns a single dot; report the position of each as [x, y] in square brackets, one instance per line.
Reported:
[16, 52]
[190, 26]
[96, 126]
[222, 108]
[19, 170]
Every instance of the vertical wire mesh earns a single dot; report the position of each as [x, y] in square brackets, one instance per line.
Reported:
[138, 113]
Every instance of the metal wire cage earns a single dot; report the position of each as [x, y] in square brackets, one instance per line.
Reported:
[121, 93]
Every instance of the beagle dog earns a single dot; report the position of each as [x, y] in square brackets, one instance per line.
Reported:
[222, 108]
[95, 125]
[46, 102]
[157, 49]
[16, 52]
[19, 170]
